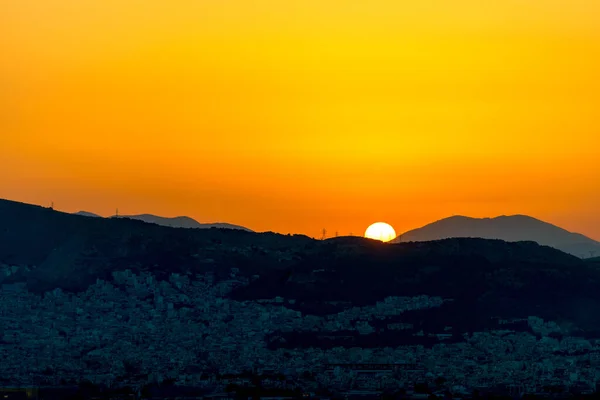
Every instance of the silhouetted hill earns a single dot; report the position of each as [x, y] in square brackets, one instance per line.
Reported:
[71, 251]
[485, 278]
[510, 228]
[595, 260]
[181, 222]
[87, 214]
[487, 281]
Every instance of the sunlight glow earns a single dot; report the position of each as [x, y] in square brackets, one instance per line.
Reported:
[380, 231]
[268, 113]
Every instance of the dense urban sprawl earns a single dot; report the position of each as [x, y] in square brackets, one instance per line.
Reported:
[135, 329]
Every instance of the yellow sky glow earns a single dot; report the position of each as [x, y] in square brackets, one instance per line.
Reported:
[292, 116]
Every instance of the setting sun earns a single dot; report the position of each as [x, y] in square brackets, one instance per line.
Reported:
[380, 231]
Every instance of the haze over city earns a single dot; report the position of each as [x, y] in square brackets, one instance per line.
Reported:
[301, 115]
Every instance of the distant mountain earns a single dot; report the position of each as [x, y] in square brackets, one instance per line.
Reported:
[509, 228]
[176, 222]
[181, 222]
[87, 214]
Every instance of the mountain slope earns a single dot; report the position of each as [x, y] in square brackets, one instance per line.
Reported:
[52, 249]
[182, 222]
[509, 228]
[87, 214]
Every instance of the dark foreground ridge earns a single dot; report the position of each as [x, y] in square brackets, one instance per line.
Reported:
[119, 301]
[71, 251]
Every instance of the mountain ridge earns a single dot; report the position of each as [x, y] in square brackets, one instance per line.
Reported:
[510, 228]
[87, 214]
[173, 222]
[181, 222]
[71, 250]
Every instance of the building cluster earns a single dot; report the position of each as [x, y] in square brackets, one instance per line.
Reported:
[135, 329]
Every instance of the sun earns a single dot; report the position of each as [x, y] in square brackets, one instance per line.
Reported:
[380, 231]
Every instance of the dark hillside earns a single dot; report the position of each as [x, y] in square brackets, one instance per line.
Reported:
[71, 251]
[484, 278]
[367, 271]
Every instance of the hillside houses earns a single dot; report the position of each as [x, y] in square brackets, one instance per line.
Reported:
[139, 329]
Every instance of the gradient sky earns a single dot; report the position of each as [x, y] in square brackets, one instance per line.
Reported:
[294, 116]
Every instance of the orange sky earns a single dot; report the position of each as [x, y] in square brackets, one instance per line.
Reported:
[293, 115]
